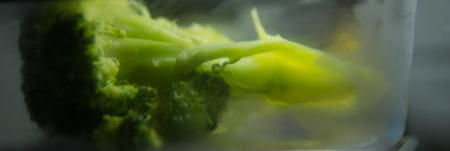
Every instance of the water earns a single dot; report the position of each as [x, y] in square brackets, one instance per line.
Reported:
[374, 34]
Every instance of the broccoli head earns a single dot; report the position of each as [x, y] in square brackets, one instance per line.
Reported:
[109, 71]
[88, 70]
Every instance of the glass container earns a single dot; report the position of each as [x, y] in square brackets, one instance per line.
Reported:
[348, 85]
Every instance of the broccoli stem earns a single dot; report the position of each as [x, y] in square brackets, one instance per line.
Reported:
[135, 27]
[131, 50]
[195, 56]
[139, 25]
[141, 61]
[277, 68]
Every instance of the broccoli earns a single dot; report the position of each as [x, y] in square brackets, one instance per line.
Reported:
[109, 71]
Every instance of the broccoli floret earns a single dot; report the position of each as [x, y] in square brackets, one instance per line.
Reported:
[131, 131]
[87, 68]
[109, 71]
[192, 107]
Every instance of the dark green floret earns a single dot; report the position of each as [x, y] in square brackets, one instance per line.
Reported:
[88, 73]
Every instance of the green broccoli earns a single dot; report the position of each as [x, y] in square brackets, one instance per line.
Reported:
[109, 71]
[72, 83]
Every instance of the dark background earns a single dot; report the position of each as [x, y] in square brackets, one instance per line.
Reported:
[429, 101]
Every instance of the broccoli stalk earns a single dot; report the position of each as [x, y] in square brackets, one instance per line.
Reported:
[282, 71]
[110, 71]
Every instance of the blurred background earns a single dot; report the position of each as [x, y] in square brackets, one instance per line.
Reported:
[429, 98]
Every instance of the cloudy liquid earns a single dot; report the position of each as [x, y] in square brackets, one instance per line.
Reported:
[375, 34]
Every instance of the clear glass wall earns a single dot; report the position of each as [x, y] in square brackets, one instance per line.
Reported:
[367, 44]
